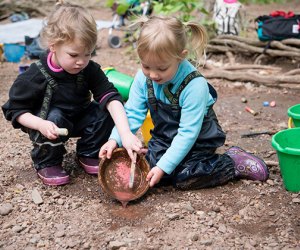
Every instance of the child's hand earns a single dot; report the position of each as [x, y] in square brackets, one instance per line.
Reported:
[107, 149]
[154, 176]
[48, 129]
[132, 143]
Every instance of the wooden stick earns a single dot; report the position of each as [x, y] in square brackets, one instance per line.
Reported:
[62, 131]
[132, 170]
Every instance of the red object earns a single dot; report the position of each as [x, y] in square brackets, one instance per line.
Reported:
[250, 110]
[282, 13]
[272, 104]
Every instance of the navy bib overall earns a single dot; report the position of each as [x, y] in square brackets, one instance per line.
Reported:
[201, 167]
[91, 125]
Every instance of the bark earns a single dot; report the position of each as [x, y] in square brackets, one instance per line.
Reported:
[273, 80]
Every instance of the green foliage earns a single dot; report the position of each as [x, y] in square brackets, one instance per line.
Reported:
[183, 8]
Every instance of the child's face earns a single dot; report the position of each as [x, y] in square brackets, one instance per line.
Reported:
[71, 56]
[158, 70]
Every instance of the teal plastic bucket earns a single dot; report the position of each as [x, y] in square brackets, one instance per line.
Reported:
[13, 52]
[294, 114]
[121, 81]
[287, 145]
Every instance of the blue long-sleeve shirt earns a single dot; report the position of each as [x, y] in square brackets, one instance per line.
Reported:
[194, 101]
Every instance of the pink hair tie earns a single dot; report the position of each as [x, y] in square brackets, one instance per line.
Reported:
[54, 68]
[230, 1]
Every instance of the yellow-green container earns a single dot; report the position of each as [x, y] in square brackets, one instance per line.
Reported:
[121, 81]
[287, 145]
[294, 116]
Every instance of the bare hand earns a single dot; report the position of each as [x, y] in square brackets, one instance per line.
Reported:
[107, 149]
[48, 129]
[132, 143]
[154, 176]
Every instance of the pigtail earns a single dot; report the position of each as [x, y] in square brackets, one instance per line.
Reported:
[198, 39]
[139, 22]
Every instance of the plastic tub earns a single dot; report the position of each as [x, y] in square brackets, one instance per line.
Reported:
[13, 52]
[287, 145]
[294, 116]
[121, 81]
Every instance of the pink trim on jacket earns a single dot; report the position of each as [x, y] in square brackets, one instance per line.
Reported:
[106, 96]
[51, 65]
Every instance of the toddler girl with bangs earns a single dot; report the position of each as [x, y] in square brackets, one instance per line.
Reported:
[66, 89]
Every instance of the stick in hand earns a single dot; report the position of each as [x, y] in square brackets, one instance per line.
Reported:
[62, 131]
[132, 171]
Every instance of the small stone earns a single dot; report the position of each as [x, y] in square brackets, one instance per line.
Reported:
[296, 200]
[17, 229]
[222, 228]
[60, 201]
[116, 244]
[60, 234]
[173, 216]
[244, 100]
[195, 237]
[36, 197]
[5, 209]
[272, 213]
[206, 242]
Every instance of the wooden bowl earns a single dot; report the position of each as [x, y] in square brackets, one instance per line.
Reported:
[114, 176]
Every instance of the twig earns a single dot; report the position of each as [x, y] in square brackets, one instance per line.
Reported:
[255, 133]
[252, 77]
[272, 163]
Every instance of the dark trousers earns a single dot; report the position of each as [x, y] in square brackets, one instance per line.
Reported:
[201, 168]
[92, 125]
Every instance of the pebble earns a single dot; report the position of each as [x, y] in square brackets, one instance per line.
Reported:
[60, 234]
[206, 242]
[173, 216]
[17, 229]
[36, 197]
[296, 200]
[116, 245]
[244, 100]
[5, 209]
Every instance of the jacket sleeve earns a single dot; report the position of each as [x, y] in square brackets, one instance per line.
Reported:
[25, 95]
[102, 89]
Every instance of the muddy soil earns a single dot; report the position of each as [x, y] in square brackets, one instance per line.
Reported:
[239, 215]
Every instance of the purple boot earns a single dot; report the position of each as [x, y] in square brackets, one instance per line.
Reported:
[90, 165]
[247, 165]
[53, 175]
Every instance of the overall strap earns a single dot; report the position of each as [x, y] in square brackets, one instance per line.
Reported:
[51, 87]
[174, 98]
[80, 79]
[151, 97]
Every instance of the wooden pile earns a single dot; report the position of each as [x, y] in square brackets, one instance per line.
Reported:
[254, 72]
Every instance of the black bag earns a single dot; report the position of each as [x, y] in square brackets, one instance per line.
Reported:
[278, 26]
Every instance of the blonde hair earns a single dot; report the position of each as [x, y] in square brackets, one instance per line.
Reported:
[68, 22]
[168, 36]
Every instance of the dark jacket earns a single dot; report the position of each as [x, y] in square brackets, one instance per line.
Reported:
[27, 92]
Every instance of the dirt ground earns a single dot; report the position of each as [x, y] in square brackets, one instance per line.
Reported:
[239, 215]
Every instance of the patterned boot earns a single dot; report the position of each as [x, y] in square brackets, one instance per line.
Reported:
[247, 165]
